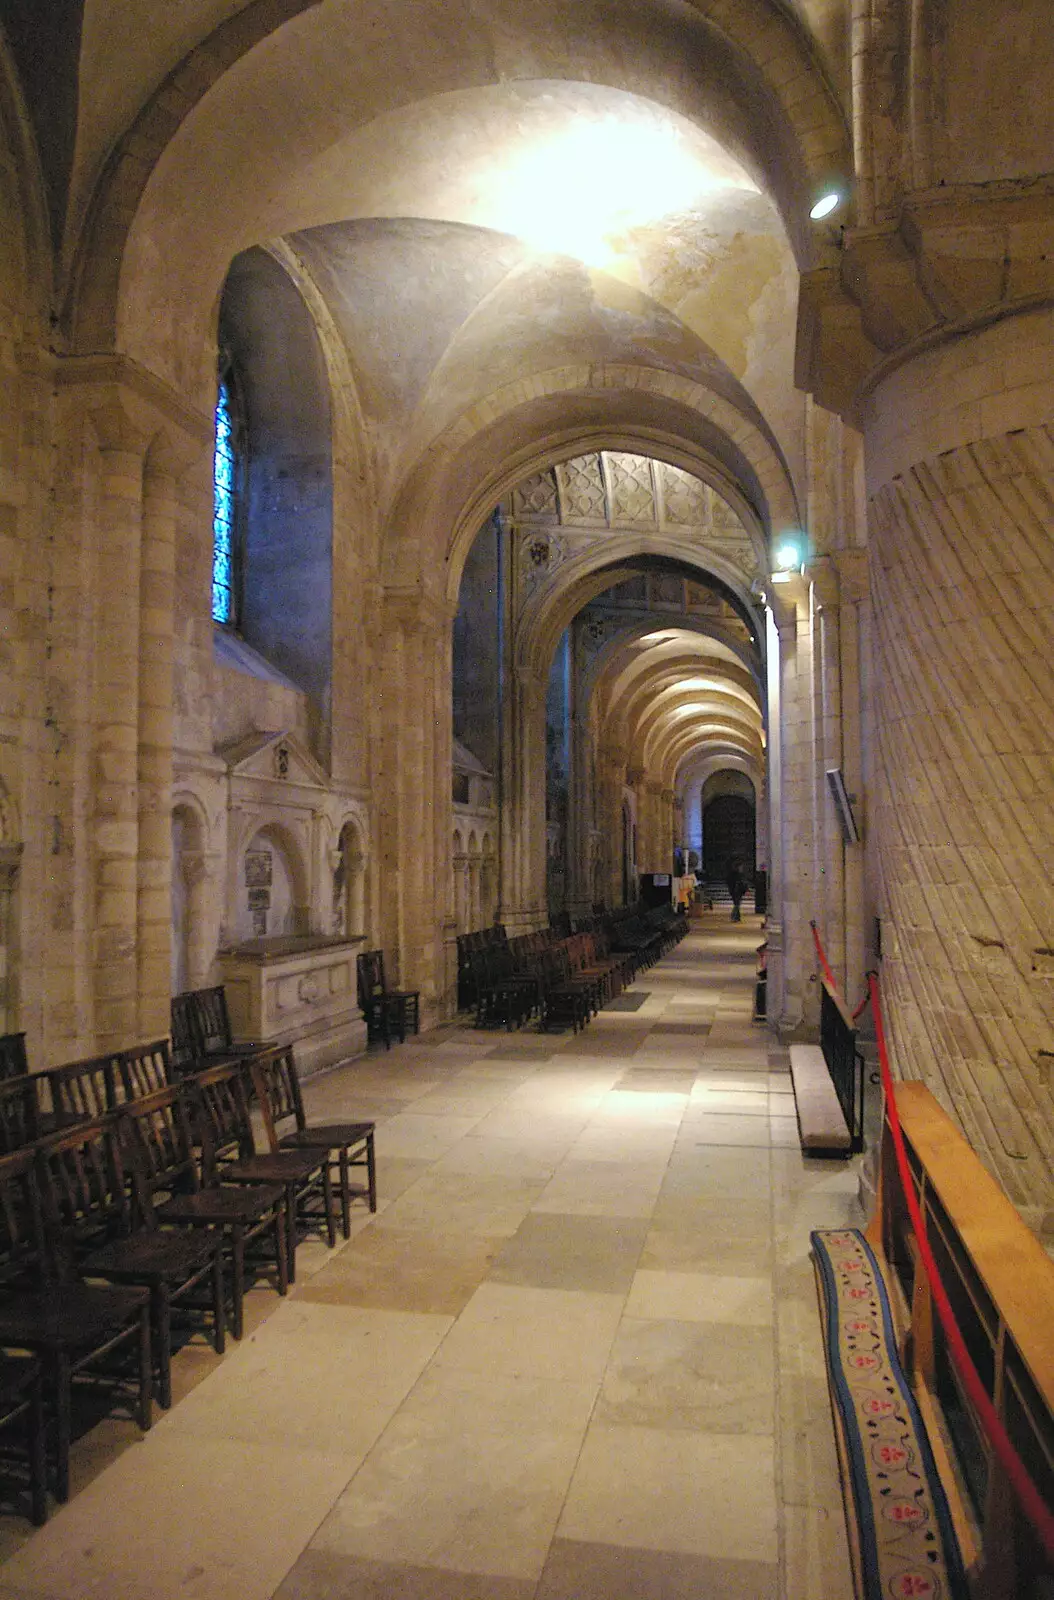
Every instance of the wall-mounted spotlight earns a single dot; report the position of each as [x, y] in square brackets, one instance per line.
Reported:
[827, 203]
[788, 559]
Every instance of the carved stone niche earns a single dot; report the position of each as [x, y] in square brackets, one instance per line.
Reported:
[297, 990]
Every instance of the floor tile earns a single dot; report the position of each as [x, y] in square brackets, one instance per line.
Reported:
[394, 1269]
[268, 1388]
[323, 1575]
[656, 1080]
[480, 1205]
[816, 1554]
[410, 1134]
[707, 1377]
[484, 1502]
[578, 1571]
[691, 1240]
[598, 1254]
[656, 1489]
[168, 1521]
[516, 1331]
[601, 1189]
[701, 1297]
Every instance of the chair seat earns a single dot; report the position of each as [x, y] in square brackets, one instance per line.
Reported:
[221, 1206]
[326, 1135]
[287, 1166]
[17, 1377]
[67, 1316]
[154, 1256]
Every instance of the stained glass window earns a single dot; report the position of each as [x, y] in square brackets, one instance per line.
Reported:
[225, 507]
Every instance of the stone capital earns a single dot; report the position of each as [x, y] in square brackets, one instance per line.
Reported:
[852, 575]
[129, 405]
[634, 776]
[823, 572]
[955, 258]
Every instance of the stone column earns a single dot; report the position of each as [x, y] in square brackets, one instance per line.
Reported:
[830, 849]
[793, 1001]
[668, 835]
[156, 586]
[115, 830]
[523, 892]
[962, 574]
[934, 336]
[413, 810]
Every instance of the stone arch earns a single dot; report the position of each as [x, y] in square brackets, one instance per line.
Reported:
[194, 892]
[284, 600]
[480, 457]
[618, 642]
[692, 778]
[25, 226]
[289, 911]
[350, 866]
[549, 612]
[90, 290]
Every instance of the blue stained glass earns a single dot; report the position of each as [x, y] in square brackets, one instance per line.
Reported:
[224, 478]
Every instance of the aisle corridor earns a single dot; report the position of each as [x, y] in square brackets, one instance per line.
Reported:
[575, 1356]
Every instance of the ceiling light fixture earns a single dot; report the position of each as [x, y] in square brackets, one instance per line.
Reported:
[789, 556]
[826, 204]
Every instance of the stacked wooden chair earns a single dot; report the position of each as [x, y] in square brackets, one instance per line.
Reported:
[138, 1203]
[389, 1013]
[201, 1031]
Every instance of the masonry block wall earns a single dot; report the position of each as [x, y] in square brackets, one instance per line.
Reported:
[961, 484]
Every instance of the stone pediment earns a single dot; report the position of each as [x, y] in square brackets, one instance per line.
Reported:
[273, 757]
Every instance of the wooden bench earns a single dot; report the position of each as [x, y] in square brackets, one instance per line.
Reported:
[1001, 1284]
[821, 1124]
[828, 1081]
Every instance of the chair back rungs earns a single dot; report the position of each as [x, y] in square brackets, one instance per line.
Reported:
[388, 1012]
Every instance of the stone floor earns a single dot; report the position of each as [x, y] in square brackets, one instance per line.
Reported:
[575, 1356]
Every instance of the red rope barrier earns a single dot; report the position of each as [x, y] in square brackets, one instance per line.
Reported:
[821, 957]
[829, 975]
[1031, 1501]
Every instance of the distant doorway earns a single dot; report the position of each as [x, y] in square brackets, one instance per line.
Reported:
[728, 835]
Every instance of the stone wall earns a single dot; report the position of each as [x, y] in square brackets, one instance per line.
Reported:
[961, 483]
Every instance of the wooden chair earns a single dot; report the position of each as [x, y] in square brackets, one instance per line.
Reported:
[229, 1156]
[348, 1144]
[112, 1243]
[83, 1091]
[13, 1063]
[20, 1114]
[201, 1031]
[46, 1308]
[387, 1011]
[167, 1179]
[143, 1069]
[184, 1047]
[23, 1435]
